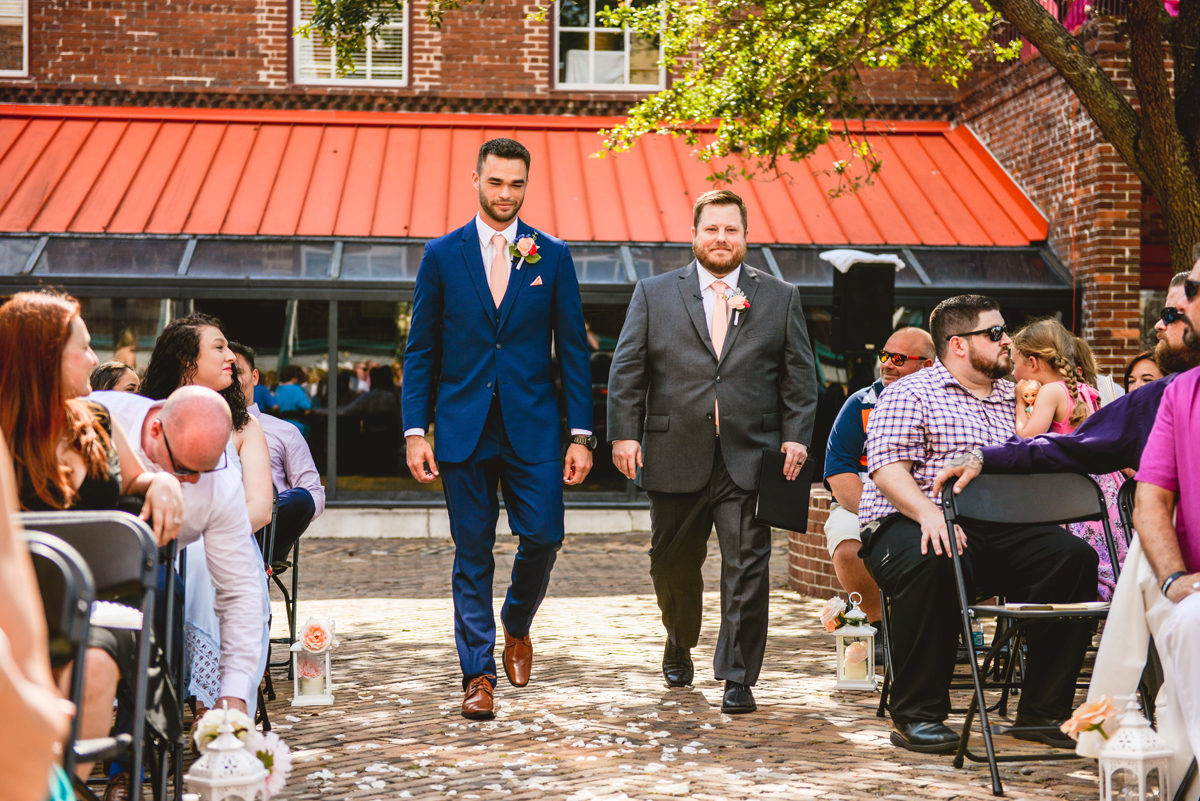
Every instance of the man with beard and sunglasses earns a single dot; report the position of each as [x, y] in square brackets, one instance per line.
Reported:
[960, 403]
[1168, 525]
[1113, 437]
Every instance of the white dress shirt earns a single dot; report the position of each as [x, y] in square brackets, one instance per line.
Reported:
[708, 294]
[291, 460]
[215, 508]
[488, 251]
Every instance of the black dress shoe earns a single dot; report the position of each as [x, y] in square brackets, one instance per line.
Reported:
[1052, 736]
[738, 699]
[925, 737]
[677, 665]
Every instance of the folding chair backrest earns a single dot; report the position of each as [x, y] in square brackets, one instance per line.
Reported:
[1027, 500]
[119, 548]
[1125, 507]
[65, 585]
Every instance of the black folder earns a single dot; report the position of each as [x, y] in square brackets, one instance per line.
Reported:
[783, 504]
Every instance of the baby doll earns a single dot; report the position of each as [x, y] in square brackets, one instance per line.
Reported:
[1027, 392]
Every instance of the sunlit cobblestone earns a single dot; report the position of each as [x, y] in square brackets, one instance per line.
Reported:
[596, 721]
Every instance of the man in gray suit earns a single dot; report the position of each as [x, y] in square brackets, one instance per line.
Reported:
[713, 366]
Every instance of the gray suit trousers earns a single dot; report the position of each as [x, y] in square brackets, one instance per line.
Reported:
[681, 523]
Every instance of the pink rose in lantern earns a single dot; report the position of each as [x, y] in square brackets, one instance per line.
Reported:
[310, 668]
[856, 652]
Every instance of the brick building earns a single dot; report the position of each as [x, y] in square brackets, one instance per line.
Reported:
[156, 158]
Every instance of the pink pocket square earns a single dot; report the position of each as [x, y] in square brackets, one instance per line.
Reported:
[537, 281]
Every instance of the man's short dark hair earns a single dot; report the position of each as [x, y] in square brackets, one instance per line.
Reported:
[246, 352]
[957, 315]
[501, 149]
[718, 197]
[1178, 279]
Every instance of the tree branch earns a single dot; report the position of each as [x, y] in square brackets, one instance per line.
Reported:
[1103, 101]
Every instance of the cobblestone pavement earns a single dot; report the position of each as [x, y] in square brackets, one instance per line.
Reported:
[596, 720]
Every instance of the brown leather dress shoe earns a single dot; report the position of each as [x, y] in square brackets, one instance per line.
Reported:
[479, 703]
[518, 659]
[118, 788]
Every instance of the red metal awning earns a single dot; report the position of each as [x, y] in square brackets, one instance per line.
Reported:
[130, 171]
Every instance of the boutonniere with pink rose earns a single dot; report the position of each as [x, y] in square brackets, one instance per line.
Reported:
[525, 249]
[737, 301]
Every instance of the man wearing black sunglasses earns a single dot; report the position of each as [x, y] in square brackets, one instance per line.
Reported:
[1110, 439]
[919, 424]
[907, 350]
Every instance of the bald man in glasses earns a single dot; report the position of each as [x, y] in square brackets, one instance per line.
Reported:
[907, 350]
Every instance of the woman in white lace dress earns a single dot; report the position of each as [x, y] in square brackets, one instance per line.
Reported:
[195, 350]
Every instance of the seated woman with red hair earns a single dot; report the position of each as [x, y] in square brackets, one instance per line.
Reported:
[68, 454]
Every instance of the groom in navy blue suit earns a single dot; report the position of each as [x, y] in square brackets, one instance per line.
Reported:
[494, 301]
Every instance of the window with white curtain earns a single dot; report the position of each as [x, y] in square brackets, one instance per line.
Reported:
[383, 63]
[14, 38]
[589, 55]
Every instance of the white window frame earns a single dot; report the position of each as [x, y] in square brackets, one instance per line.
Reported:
[559, 29]
[24, 71]
[299, 42]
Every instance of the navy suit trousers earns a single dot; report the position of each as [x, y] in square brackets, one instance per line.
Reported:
[533, 497]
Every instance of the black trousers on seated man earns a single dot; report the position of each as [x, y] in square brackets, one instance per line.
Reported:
[296, 510]
[681, 523]
[1044, 564]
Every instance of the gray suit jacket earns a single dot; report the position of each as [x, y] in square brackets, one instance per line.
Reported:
[666, 378]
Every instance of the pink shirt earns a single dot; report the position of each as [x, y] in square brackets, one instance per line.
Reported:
[1171, 459]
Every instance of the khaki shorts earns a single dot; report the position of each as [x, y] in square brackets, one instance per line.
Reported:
[842, 525]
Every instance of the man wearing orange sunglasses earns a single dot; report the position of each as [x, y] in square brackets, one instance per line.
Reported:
[906, 351]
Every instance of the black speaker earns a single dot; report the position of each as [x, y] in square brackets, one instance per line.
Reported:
[864, 300]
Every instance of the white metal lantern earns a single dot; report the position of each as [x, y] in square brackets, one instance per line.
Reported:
[227, 771]
[1135, 763]
[855, 650]
[312, 663]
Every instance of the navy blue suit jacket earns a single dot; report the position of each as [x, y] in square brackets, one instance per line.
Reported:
[461, 348]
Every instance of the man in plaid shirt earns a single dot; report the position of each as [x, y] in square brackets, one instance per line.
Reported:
[961, 404]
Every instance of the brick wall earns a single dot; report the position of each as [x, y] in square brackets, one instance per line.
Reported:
[487, 58]
[1037, 129]
[810, 570]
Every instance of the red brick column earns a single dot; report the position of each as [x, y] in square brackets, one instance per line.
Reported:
[810, 570]
[1035, 126]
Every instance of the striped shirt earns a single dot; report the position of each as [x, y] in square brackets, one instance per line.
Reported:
[928, 418]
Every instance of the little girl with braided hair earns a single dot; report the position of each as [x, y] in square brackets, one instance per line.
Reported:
[1047, 352]
[1044, 351]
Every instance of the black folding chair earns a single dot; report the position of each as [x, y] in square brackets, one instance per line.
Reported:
[1016, 500]
[122, 554]
[66, 587]
[265, 537]
[275, 568]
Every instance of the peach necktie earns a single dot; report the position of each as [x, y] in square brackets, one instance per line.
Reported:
[720, 325]
[498, 276]
[720, 318]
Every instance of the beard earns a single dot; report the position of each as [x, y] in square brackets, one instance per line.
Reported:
[994, 369]
[719, 262]
[495, 213]
[1177, 360]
